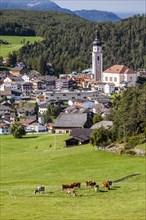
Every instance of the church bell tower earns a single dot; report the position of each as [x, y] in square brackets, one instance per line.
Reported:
[97, 58]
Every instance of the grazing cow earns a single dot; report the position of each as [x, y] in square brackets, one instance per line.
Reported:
[96, 187]
[39, 189]
[110, 182]
[75, 184]
[90, 183]
[65, 186]
[70, 191]
[106, 185]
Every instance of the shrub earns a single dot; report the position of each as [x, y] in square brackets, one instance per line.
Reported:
[130, 152]
[132, 142]
[17, 130]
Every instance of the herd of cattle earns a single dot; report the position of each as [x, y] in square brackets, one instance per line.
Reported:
[70, 188]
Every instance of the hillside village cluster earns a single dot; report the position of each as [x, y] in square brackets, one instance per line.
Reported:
[80, 95]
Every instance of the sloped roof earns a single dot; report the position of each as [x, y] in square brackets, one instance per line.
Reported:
[18, 68]
[44, 105]
[72, 120]
[105, 124]
[4, 124]
[27, 121]
[81, 133]
[3, 107]
[6, 103]
[121, 69]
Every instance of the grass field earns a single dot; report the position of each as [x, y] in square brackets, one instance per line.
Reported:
[29, 162]
[15, 43]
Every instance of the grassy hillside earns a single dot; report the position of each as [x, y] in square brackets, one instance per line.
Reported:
[15, 43]
[29, 162]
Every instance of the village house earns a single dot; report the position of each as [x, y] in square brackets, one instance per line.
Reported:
[61, 84]
[27, 77]
[43, 108]
[109, 88]
[99, 85]
[38, 84]
[82, 80]
[5, 128]
[68, 95]
[5, 109]
[65, 122]
[19, 69]
[32, 125]
[27, 88]
[79, 136]
[6, 93]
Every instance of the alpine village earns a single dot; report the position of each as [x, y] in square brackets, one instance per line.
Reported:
[72, 116]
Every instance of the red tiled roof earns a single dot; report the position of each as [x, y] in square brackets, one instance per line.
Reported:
[2, 125]
[119, 69]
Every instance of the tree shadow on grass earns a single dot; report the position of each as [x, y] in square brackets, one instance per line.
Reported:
[103, 191]
[30, 137]
[45, 194]
[90, 195]
[116, 187]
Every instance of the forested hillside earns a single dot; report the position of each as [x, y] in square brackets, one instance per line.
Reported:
[68, 40]
[129, 112]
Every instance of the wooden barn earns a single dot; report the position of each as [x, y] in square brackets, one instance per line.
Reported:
[79, 137]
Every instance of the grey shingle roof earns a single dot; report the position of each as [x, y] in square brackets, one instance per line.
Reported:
[72, 120]
[105, 124]
[17, 68]
[81, 134]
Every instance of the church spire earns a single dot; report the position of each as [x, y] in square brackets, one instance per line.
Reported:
[97, 41]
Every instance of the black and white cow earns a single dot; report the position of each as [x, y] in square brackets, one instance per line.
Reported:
[39, 189]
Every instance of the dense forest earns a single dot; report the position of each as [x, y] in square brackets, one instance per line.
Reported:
[129, 121]
[129, 112]
[68, 40]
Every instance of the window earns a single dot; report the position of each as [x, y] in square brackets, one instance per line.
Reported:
[111, 79]
[106, 78]
[131, 78]
[115, 79]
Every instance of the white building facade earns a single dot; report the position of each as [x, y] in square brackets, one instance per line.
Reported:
[120, 75]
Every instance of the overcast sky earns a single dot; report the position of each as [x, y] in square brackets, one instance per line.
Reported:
[125, 6]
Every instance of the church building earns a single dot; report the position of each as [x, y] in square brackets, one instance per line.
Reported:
[118, 75]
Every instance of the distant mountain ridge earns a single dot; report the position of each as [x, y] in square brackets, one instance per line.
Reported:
[44, 5]
[38, 5]
[96, 15]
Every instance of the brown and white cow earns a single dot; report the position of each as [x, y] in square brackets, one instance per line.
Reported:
[96, 187]
[65, 186]
[70, 191]
[75, 184]
[90, 183]
[106, 185]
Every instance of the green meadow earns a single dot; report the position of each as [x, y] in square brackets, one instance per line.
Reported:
[15, 43]
[34, 160]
